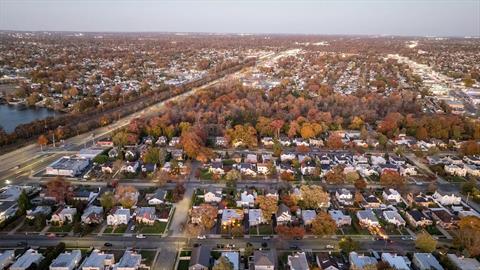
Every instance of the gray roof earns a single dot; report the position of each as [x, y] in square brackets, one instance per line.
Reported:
[28, 258]
[264, 258]
[67, 259]
[200, 256]
[427, 260]
[298, 261]
[130, 259]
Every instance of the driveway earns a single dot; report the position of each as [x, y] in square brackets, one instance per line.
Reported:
[181, 213]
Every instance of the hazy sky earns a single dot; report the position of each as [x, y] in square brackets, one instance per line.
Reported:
[397, 17]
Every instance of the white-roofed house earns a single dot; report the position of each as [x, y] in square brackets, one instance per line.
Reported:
[308, 216]
[130, 260]
[391, 196]
[393, 217]
[255, 217]
[426, 261]
[67, 260]
[118, 216]
[28, 258]
[98, 261]
[396, 262]
[340, 218]
[6, 258]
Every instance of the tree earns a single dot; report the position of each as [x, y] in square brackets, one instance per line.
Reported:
[42, 141]
[237, 231]
[242, 135]
[323, 224]
[126, 195]
[233, 175]
[223, 263]
[307, 131]
[335, 176]
[194, 230]
[360, 184]
[287, 232]
[23, 203]
[392, 179]
[421, 133]
[192, 141]
[107, 200]
[205, 214]
[314, 197]
[425, 242]
[357, 123]
[120, 139]
[347, 245]
[152, 155]
[334, 141]
[59, 189]
[268, 204]
[470, 148]
[351, 177]
[469, 234]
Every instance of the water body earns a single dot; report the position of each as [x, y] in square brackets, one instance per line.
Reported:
[13, 115]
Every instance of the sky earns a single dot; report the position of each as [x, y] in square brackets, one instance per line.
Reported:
[361, 17]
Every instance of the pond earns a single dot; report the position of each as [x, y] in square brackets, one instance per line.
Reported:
[13, 115]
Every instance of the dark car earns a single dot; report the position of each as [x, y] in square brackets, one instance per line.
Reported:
[108, 244]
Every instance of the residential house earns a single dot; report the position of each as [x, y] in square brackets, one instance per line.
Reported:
[284, 141]
[344, 196]
[453, 169]
[263, 168]
[340, 218]
[316, 142]
[267, 141]
[113, 153]
[396, 160]
[426, 261]
[67, 260]
[145, 215]
[7, 210]
[231, 216]
[367, 218]
[472, 169]
[149, 167]
[247, 198]
[251, 158]
[446, 199]
[287, 156]
[98, 260]
[283, 214]
[130, 167]
[298, 261]
[444, 219]
[361, 262]
[92, 215]
[393, 217]
[395, 261]
[264, 260]
[158, 197]
[464, 263]
[475, 160]
[406, 170]
[130, 260]
[377, 160]
[107, 167]
[391, 196]
[248, 169]
[29, 258]
[161, 141]
[308, 216]
[327, 262]
[255, 217]
[308, 167]
[371, 201]
[63, 215]
[419, 199]
[417, 218]
[6, 258]
[84, 195]
[174, 141]
[213, 196]
[199, 258]
[221, 141]
[44, 210]
[216, 167]
[118, 216]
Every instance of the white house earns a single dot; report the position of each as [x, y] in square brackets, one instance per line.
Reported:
[145, 215]
[340, 218]
[98, 261]
[367, 218]
[283, 214]
[393, 217]
[344, 196]
[447, 199]
[298, 261]
[63, 215]
[92, 215]
[248, 169]
[395, 261]
[288, 156]
[130, 167]
[28, 258]
[454, 169]
[377, 160]
[262, 168]
[158, 197]
[247, 199]
[426, 261]
[391, 195]
[67, 260]
[6, 258]
[213, 196]
[118, 216]
[408, 170]
[255, 217]
[130, 260]
[472, 169]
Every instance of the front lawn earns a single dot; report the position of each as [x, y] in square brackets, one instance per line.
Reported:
[183, 264]
[148, 256]
[120, 229]
[65, 228]
[157, 228]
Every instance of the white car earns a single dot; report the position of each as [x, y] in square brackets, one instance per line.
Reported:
[201, 237]
[132, 228]
[140, 236]
[329, 247]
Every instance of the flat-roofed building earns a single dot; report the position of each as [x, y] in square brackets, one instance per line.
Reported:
[6, 258]
[129, 261]
[68, 166]
[27, 259]
[98, 261]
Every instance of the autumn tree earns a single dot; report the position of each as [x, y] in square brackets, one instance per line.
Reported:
[392, 179]
[421, 133]
[277, 126]
[152, 155]
[107, 200]
[268, 204]
[59, 189]
[334, 141]
[360, 184]
[470, 148]
[245, 135]
[233, 175]
[313, 197]
[42, 141]
[287, 232]
[205, 215]
[323, 224]
[126, 195]
[120, 139]
[357, 123]
[469, 234]
[425, 242]
[335, 176]
[193, 229]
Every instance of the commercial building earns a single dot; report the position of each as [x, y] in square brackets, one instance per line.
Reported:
[68, 166]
